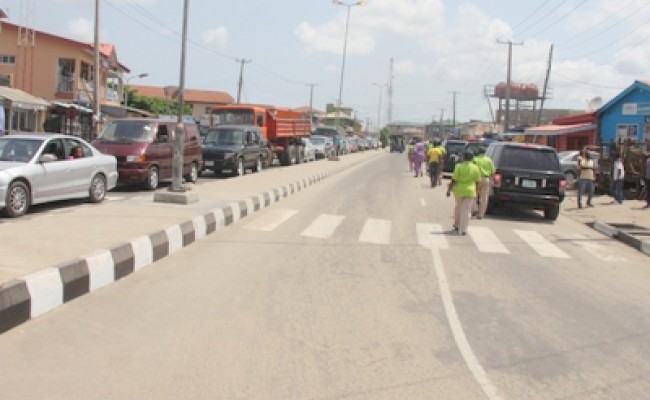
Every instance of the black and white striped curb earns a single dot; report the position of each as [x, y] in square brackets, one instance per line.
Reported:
[622, 236]
[43, 291]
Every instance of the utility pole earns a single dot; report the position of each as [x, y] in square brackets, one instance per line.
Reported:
[548, 73]
[241, 76]
[390, 96]
[97, 75]
[453, 121]
[506, 120]
[443, 133]
[311, 108]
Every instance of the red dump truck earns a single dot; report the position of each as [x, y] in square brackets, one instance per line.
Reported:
[282, 128]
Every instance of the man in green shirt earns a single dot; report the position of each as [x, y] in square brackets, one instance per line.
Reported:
[486, 167]
[463, 183]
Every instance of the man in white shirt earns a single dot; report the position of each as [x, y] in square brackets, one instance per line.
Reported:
[618, 173]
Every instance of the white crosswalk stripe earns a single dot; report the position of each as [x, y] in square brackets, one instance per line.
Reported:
[270, 220]
[486, 241]
[376, 231]
[323, 227]
[542, 246]
[430, 235]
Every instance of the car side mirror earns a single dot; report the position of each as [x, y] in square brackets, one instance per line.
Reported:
[47, 157]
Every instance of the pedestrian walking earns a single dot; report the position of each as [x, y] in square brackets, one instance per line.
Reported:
[418, 158]
[647, 182]
[434, 157]
[618, 173]
[410, 153]
[586, 178]
[487, 169]
[463, 183]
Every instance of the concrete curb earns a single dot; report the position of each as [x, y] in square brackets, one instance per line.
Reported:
[622, 236]
[40, 292]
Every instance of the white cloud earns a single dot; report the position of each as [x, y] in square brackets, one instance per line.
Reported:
[216, 37]
[81, 29]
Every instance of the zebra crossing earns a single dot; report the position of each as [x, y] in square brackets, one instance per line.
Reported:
[435, 236]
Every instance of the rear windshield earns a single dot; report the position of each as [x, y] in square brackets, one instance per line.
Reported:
[455, 147]
[528, 158]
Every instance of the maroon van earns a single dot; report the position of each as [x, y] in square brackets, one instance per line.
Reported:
[144, 150]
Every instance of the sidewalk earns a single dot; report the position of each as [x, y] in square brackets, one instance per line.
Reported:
[628, 222]
[51, 258]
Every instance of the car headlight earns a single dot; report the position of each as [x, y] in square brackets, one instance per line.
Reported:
[134, 158]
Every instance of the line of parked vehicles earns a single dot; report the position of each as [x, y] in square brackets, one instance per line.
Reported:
[44, 167]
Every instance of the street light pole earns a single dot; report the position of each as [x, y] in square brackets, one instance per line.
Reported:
[345, 49]
[125, 94]
[381, 88]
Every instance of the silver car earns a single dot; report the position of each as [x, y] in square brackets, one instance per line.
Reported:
[322, 144]
[569, 164]
[39, 168]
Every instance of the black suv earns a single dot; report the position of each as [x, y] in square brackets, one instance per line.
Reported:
[528, 175]
[454, 149]
[235, 148]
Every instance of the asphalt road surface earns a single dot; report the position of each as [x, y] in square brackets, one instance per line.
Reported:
[356, 289]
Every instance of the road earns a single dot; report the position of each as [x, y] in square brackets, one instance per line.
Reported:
[356, 289]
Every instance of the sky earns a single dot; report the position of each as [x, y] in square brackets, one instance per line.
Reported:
[292, 51]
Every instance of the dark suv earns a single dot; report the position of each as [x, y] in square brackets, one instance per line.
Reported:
[528, 175]
[235, 148]
[454, 149]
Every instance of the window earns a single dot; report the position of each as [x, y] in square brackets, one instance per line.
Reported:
[624, 131]
[7, 59]
[529, 158]
[86, 73]
[65, 75]
[5, 80]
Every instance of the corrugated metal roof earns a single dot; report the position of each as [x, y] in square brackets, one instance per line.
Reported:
[551, 130]
[190, 95]
[23, 100]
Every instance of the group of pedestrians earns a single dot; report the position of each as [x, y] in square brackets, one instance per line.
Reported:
[470, 184]
[587, 177]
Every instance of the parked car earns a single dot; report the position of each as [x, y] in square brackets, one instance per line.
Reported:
[528, 175]
[39, 168]
[235, 148]
[322, 146]
[475, 146]
[310, 150]
[454, 149]
[144, 149]
[569, 164]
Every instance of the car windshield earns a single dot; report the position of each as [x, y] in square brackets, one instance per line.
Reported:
[318, 140]
[527, 158]
[455, 147]
[127, 131]
[238, 117]
[217, 137]
[18, 150]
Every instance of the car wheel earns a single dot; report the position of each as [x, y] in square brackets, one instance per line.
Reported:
[18, 200]
[551, 212]
[153, 179]
[193, 176]
[239, 169]
[97, 191]
[258, 164]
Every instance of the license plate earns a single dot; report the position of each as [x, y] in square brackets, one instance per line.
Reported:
[208, 163]
[529, 184]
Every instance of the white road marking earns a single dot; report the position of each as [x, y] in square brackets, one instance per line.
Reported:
[431, 236]
[459, 334]
[601, 252]
[376, 231]
[486, 240]
[270, 220]
[542, 246]
[423, 202]
[323, 227]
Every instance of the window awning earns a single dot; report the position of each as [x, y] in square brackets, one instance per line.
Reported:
[554, 130]
[23, 100]
[72, 105]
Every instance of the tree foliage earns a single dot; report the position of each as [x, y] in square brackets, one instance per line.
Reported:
[155, 105]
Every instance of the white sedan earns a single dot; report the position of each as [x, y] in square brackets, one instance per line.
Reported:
[310, 150]
[39, 168]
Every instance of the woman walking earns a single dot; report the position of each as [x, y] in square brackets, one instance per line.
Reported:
[463, 183]
[418, 157]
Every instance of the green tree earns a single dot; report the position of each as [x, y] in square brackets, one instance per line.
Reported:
[155, 105]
